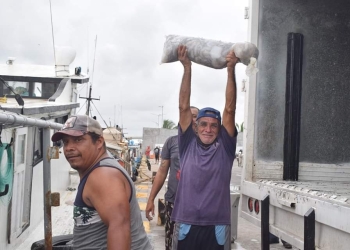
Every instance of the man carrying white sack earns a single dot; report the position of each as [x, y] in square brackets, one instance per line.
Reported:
[202, 205]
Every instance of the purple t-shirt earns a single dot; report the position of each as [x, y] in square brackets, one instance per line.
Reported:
[203, 193]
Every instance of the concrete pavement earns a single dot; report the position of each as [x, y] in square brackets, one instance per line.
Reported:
[248, 235]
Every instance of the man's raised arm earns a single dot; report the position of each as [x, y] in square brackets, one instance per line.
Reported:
[228, 117]
[185, 89]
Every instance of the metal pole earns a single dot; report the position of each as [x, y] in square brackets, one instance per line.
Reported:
[309, 230]
[13, 119]
[47, 189]
[292, 119]
[162, 117]
[88, 100]
[265, 226]
[158, 124]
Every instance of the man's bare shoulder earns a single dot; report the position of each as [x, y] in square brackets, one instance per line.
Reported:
[105, 182]
[106, 174]
[105, 177]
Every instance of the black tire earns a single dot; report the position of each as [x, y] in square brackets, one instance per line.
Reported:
[133, 178]
[136, 173]
[58, 243]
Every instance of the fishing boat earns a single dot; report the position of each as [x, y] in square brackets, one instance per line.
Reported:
[33, 99]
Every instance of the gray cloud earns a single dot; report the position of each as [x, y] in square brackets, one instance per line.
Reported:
[130, 37]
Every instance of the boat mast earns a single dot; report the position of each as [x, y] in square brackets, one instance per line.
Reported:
[89, 99]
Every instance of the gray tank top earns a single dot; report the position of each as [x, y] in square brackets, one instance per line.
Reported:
[89, 230]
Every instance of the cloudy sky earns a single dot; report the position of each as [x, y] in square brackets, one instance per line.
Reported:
[134, 88]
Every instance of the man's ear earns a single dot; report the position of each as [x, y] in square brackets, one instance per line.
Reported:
[100, 142]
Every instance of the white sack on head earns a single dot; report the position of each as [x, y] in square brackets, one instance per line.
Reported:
[210, 53]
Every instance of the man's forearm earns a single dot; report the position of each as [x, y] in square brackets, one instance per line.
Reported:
[157, 184]
[184, 99]
[185, 89]
[231, 91]
[228, 120]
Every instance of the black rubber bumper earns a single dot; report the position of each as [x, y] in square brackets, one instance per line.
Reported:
[58, 243]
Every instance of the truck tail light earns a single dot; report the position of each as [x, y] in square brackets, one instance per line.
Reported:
[257, 206]
[250, 204]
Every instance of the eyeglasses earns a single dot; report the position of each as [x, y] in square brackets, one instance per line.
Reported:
[204, 124]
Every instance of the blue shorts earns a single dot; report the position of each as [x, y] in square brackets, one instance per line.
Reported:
[201, 237]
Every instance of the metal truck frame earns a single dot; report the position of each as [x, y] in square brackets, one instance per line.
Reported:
[296, 170]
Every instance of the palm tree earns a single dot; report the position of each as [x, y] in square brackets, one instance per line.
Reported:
[239, 127]
[168, 124]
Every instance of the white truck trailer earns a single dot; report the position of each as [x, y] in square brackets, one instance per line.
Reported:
[296, 170]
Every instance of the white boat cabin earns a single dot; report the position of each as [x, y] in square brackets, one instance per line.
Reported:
[41, 92]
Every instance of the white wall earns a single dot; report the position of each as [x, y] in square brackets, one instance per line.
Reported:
[153, 136]
[60, 180]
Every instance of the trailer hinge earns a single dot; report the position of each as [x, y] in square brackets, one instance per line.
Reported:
[53, 153]
[55, 199]
[286, 203]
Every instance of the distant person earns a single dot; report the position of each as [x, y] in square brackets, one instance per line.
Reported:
[170, 161]
[106, 212]
[148, 152]
[156, 154]
[240, 158]
[202, 209]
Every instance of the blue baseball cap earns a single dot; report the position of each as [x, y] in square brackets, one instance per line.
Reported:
[209, 112]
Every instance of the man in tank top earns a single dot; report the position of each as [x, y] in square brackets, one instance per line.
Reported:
[202, 203]
[106, 211]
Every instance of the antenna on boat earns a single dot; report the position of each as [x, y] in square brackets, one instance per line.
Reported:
[93, 65]
[114, 116]
[88, 59]
[121, 115]
[89, 98]
[53, 37]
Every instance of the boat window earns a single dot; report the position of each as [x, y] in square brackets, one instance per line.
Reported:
[30, 89]
[48, 89]
[61, 119]
[38, 146]
[37, 92]
[21, 88]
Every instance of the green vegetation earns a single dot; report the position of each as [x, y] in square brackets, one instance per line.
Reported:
[169, 124]
[240, 127]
